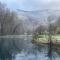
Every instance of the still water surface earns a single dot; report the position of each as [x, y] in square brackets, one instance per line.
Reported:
[23, 49]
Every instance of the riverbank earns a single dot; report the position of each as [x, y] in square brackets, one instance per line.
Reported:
[44, 39]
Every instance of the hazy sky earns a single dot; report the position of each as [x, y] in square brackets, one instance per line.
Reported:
[32, 4]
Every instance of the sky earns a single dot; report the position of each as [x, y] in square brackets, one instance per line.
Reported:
[30, 5]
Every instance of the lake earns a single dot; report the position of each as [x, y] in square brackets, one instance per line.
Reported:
[24, 49]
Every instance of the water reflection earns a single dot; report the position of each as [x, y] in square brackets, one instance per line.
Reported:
[20, 49]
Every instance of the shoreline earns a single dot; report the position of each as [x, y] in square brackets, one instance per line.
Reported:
[56, 42]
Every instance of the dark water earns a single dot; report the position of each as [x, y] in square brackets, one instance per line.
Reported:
[23, 49]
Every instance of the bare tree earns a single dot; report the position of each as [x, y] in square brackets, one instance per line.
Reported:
[50, 30]
[40, 29]
[8, 21]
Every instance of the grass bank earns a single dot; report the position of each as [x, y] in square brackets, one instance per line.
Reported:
[43, 39]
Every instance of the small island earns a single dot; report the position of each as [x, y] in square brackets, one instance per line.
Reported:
[48, 33]
[44, 39]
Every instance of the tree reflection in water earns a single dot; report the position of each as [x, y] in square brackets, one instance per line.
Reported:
[10, 47]
[53, 51]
